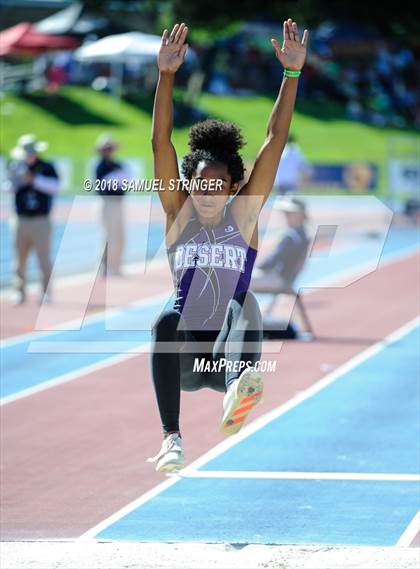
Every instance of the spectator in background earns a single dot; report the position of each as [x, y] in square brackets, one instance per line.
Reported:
[34, 183]
[412, 210]
[293, 169]
[111, 173]
[57, 73]
[279, 270]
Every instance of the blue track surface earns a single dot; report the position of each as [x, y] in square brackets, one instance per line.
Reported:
[367, 421]
[273, 512]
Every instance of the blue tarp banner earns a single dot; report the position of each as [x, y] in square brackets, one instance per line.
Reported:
[354, 176]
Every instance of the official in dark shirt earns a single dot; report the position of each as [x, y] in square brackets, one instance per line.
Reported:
[110, 174]
[34, 182]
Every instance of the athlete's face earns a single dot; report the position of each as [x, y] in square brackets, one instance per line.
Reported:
[210, 203]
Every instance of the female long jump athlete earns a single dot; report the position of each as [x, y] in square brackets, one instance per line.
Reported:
[212, 244]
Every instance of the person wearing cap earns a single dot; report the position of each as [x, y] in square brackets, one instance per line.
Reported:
[34, 183]
[280, 269]
[111, 172]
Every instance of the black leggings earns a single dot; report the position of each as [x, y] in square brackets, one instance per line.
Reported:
[239, 340]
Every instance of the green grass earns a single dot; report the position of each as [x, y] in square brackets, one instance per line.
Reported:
[72, 121]
[322, 138]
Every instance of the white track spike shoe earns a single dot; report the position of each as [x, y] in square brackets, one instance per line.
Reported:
[170, 458]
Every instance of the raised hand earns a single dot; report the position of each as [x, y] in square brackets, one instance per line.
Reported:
[172, 50]
[293, 51]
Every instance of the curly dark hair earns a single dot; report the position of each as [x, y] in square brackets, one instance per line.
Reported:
[215, 141]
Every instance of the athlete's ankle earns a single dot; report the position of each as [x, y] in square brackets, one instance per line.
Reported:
[229, 383]
[166, 434]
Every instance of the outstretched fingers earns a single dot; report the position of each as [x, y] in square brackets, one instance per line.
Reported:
[177, 38]
[291, 32]
[286, 32]
[173, 33]
[295, 32]
[275, 45]
[181, 34]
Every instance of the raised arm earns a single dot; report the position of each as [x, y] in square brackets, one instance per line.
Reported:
[292, 56]
[170, 58]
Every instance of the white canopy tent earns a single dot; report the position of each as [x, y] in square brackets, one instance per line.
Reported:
[123, 48]
[120, 47]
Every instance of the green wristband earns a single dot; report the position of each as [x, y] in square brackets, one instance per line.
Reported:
[291, 73]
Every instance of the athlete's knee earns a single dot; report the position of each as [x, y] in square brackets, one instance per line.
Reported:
[245, 305]
[251, 303]
[191, 380]
[189, 385]
[166, 326]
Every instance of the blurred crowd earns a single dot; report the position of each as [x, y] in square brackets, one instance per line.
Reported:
[378, 85]
[380, 88]
[374, 79]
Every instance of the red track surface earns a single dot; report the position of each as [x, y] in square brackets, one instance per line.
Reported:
[74, 454]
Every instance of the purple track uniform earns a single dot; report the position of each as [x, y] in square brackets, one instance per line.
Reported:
[210, 265]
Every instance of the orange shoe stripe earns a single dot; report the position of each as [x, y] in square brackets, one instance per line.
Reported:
[251, 397]
[237, 420]
[242, 409]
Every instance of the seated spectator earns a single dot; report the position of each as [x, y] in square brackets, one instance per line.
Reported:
[280, 269]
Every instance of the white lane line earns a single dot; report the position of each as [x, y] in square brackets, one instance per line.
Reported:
[410, 532]
[261, 422]
[70, 376]
[267, 475]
